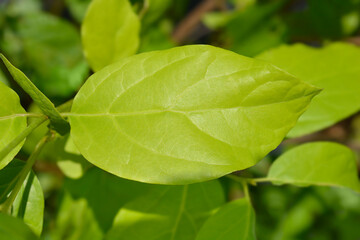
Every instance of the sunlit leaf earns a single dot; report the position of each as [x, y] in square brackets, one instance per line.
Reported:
[168, 212]
[333, 68]
[110, 32]
[317, 163]
[12, 122]
[185, 115]
[234, 221]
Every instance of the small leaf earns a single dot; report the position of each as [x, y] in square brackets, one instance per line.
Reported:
[48, 108]
[29, 203]
[234, 221]
[185, 115]
[167, 212]
[14, 229]
[316, 163]
[12, 122]
[110, 31]
[333, 68]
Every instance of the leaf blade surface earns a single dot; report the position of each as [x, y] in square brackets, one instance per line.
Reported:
[184, 115]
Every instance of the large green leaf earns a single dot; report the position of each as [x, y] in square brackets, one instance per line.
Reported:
[12, 122]
[333, 68]
[105, 194]
[316, 163]
[185, 115]
[14, 229]
[110, 31]
[234, 221]
[29, 203]
[46, 106]
[168, 213]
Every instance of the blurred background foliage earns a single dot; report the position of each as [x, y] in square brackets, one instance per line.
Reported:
[42, 38]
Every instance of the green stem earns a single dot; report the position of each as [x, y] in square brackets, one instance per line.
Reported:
[16, 141]
[242, 179]
[257, 180]
[6, 207]
[144, 9]
[246, 190]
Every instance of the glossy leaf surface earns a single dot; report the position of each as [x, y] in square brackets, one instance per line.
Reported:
[110, 31]
[234, 221]
[29, 203]
[14, 229]
[333, 68]
[317, 163]
[184, 115]
[12, 123]
[168, 213]
[47, 107]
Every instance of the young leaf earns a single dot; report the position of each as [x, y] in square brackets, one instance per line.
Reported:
[110, 31]
[333, 68]
[168, 212]
[184, 115]
[12, 122]
[234, 221]
[14, 229]
[48, 108]
[29, 203]
[316, 163]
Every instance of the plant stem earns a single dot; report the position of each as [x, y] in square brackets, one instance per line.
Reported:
[246, 190]
[242, 179]
[16, 141]
[144, 9]
[257, 180]
[6, 207]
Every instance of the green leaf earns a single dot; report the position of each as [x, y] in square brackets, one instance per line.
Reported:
[75, 220]
[48, 108]
[96, 184]
[110, 32]
[256, 28]
[185, 115]
[168, 212]
[53, 54]
[12, 122]
[29, 203]
[69, 159]
[14, 229]
[333, 68]
[316, 163]
[234, 221]
[78, 8]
